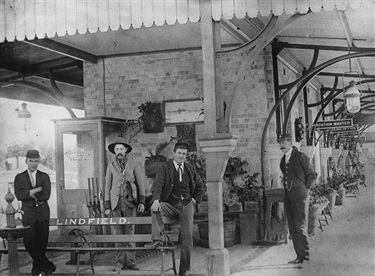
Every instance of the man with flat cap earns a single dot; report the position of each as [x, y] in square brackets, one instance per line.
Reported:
[124, 195]
[177, 187]
[33, 188]
[298, 176]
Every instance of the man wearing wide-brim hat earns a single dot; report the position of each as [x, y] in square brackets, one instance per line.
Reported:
[33, 188]
[124, 195]
[298, 176]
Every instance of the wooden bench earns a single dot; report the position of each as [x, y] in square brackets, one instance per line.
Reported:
[77, 236]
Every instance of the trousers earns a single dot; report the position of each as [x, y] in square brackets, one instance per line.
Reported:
[36, 238]
[297, 215]
[185, 216]
[125, 258]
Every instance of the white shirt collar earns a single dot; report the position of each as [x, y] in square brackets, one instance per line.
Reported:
[288, 154]
[176, 165]
[32, 173]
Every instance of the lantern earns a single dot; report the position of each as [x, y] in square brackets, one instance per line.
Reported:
[352, 98]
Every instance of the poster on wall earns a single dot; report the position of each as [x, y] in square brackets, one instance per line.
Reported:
[183, 111]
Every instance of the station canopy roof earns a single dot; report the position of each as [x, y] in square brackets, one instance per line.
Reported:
[25, 19]
[43, 37]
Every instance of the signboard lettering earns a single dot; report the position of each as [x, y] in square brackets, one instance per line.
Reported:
[335, 124]
[343, 129]
[350, 133]
[87, 221]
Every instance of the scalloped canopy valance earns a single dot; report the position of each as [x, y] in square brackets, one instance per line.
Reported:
[29, 19]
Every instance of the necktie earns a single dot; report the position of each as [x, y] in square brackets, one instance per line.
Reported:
[179, 172]
[32, 179]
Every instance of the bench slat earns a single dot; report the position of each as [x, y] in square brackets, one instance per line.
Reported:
[101, 238]
[80, 249]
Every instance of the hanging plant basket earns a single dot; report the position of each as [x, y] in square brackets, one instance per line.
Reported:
[152, 117]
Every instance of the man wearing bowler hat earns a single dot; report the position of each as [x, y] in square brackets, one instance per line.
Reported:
[124, 195]
[33, 188]
[176, 189]
[298, 176]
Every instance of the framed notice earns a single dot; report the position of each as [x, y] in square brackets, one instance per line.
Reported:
[183, 111]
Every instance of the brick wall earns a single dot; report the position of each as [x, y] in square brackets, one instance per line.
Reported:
[116, 86]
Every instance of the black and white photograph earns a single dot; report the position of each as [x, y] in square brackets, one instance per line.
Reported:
[187, 137]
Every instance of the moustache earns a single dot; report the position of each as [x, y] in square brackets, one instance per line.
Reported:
[120, 155]
[282, 148]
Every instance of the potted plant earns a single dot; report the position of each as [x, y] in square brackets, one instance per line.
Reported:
[329, 193]
[153, 161]
[251, 192]
[151, 117]
[316, 202]
[233, 178]
[336, 182]
[236, 169]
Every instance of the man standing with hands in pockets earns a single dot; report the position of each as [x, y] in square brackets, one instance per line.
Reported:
[298, 176]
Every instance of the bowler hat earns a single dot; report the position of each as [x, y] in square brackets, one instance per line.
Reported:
[119, 140]
[284, 137]
[181, 144]
[32, 154]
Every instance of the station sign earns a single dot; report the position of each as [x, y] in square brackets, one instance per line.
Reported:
[345, 129]
[360, 139]
[350, 133]
[334, 124]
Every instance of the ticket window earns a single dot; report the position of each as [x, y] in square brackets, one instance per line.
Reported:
[81, 161]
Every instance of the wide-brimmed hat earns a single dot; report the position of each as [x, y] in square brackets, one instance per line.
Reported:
[32, 154]
[284, 137]
[119, 140]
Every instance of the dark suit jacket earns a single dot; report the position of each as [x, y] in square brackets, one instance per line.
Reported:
[22, 187]
[163, 184]
[299, 175]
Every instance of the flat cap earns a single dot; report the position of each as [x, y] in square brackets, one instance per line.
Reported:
[32, 154]
[284, 137]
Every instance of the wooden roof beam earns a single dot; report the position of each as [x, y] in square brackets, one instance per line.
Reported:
[63, 49]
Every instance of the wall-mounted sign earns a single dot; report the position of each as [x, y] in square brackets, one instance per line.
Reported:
[345, 129]
[183, 111]
[350, 133]
[334, 124]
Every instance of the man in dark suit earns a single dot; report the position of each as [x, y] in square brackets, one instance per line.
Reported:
[298, 176]
[176, 189]
[33, 188]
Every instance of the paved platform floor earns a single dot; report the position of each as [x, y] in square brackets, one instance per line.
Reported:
[345, 247]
